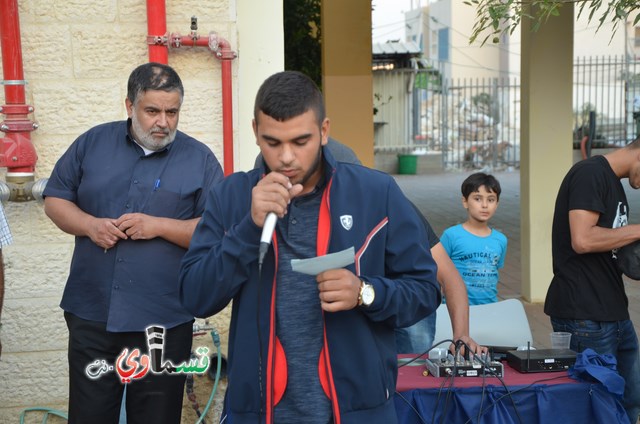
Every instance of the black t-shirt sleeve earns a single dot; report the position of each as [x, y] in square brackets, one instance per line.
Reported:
[587, 189]
[433, 238]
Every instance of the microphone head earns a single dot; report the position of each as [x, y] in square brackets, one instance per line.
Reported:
[267, 234]
[269, 227]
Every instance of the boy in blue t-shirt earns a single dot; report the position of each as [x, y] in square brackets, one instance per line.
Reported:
[477, 250]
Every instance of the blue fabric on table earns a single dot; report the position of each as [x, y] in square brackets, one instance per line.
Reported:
[591, 366]
[535, 404]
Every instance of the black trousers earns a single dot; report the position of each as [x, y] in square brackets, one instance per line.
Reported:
[155, 398]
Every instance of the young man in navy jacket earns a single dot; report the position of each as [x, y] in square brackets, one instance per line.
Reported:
[309, 348]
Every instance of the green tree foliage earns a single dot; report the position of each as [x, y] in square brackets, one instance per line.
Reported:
[494, 17]
[302, 38]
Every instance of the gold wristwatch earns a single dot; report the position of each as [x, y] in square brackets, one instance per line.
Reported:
[367, 294]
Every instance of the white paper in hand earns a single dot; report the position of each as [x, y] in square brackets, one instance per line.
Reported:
[314, 266]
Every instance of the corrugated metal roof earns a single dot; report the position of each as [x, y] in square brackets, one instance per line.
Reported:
[396, 48]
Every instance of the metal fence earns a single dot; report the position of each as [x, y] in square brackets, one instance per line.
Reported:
[475, 124]
[609, 89]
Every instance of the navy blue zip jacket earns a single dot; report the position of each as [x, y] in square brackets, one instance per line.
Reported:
[358, 364]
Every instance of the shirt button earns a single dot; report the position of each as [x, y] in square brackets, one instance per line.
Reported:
[294, 221]
[135, 181]
[127, 206]
[120, 259]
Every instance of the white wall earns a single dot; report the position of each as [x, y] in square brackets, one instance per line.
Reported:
[465, 60]
[603, 42]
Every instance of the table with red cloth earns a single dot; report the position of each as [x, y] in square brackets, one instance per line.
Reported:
[529, 398]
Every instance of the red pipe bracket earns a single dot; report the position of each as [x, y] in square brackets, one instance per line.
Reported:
[157, 26]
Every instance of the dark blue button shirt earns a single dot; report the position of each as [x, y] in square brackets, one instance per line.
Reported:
[299, 317]
[107, 174]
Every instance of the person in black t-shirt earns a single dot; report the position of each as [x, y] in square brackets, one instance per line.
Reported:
[586, 296]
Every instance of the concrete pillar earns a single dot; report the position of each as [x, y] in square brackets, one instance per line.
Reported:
[347, 81]
[261, 45]
[546, 143]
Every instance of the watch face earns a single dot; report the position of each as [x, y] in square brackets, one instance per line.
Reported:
[368, 295]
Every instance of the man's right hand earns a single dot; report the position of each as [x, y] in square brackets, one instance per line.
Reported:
[273, 193]
[105, 233]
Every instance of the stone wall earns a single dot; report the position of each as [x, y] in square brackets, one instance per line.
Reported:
[77, 56]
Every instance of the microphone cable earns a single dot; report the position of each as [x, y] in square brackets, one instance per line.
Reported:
[268, 230]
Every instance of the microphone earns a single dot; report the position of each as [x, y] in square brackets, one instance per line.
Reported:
[265, 239]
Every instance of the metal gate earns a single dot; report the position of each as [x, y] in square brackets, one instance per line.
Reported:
[475, 123]
[609, 89]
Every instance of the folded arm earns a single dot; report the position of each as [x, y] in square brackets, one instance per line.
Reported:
[588, 237]
[73, 220]
[106, 232]
[139, 226]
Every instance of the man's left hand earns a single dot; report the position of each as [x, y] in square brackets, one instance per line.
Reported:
[138, 226]
[339, 290]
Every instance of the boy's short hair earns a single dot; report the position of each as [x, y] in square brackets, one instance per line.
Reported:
[288, 94]
[474, 181]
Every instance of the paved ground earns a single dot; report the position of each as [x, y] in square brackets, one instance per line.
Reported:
[438, 197]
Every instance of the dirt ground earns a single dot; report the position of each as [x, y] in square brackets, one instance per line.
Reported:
[202, 389]
[199, 397]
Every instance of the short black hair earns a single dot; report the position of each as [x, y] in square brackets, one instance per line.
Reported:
[474, 181]
[288, 94]
[153, 76]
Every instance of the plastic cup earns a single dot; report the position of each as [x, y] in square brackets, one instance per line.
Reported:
[560, 340]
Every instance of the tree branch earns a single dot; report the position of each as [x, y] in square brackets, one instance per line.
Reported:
[496, 17]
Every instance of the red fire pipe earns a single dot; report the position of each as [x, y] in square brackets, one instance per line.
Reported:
[16, 150]
[12, 51]
[157, 31]
[227, 117]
